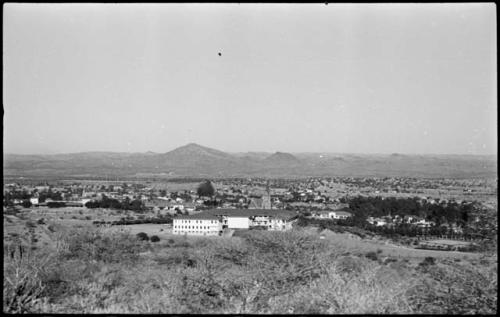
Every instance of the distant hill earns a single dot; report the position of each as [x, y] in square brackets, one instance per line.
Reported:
[193, 160]
[281, 158]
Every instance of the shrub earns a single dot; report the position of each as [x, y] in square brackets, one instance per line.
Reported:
[142, 236]
[89, 243]
[30, 224]
[22, 286]
[154, 239]
[429, 260]
[372, 256]
[41, 221]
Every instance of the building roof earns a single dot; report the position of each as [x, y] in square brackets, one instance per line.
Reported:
[199, 216]
[282, 214]
[342, 213]
[256, 203]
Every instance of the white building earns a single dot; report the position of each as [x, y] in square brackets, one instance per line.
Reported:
[334, 214]
[34, 201]
[211, 222]
[235, 222]
[206, 225]
[339, 214]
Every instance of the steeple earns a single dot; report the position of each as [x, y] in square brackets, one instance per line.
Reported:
[266, 199]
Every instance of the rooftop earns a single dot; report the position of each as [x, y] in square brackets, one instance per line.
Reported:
[199, 216]
[284, 214]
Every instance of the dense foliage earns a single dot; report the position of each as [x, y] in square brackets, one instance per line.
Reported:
[205, 189]
[449, 212]
[127, 204]
[260, 272]
[124, 221]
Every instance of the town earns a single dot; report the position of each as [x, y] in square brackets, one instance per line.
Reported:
[186, 206]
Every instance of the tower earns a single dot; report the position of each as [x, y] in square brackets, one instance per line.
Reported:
[266, 199]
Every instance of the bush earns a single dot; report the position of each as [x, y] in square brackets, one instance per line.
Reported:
[23, 287]
[142, 236]
[30, 224]
[154, 239]
[372, 256]
[90, 243]
[428, 261]
[41, 221]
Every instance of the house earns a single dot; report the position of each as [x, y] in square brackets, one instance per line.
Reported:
[158, 202]
[424, 223]
[34, 201]
[410, 218]
[323, 215]
[379, 222]
[340, 214]
[189, 207]
[336, 214]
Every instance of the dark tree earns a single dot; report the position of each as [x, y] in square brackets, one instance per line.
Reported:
[206, 189]
[26, 203]
[143, 236]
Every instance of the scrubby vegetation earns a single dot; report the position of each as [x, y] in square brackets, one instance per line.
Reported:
[91, 270]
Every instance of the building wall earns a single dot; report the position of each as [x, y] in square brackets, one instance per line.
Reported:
[280, 224]
[197, 226]
[238, 222]
[260, 221]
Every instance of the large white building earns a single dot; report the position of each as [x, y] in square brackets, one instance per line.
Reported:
[212, 222]
[205, 225]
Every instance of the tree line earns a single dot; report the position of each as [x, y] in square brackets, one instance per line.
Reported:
[440, 213]
[111, 203]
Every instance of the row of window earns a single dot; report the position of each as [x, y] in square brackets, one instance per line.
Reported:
[198, 221]
[192, 227]
[197, 231]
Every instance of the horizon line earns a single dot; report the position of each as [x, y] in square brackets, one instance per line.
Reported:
[254, 151]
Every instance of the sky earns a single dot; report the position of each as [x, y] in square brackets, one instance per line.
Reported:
[345, 78]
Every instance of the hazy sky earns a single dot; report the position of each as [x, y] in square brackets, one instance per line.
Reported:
[358, 78]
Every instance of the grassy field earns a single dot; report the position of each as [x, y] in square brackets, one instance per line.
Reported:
[360, 246]
[161, 230]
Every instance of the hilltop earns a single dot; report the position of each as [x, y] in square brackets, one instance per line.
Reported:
[282, 158]
[194, 160]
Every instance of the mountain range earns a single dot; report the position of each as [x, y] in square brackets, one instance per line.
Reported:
[193, 160]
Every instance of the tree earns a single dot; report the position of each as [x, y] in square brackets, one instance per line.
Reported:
[143, 236]
[206, 189]
[26, 203]
[155, 239]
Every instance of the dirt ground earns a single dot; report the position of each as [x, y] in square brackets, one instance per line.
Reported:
[160, 230]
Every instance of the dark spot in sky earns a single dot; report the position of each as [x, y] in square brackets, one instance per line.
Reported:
[220, 54]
